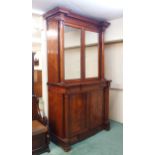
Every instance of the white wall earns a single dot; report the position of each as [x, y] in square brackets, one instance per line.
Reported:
[114, 72]
[115, 30]
[114, 68]
[36, 39]
[116, 105]
[44, 68]
[114, 64]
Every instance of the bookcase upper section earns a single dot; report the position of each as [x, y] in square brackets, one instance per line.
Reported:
[75, 47]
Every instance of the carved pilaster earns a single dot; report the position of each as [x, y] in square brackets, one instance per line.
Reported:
[66, 145]
[106, 106]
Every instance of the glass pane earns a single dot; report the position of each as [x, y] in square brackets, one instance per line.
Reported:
[72, 50]
[91, 54]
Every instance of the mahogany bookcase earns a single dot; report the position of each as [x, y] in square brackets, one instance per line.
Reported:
[78, 93]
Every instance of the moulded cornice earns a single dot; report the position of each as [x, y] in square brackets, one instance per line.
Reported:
[61, 12]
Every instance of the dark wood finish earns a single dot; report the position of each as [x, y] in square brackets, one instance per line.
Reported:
[59, 11]
[102, 55]
[53, 55]
[106, 106]
[96, 108]
[61, 49]
[38, 83]
[33, 73]
[77, 108]
[82, 54]
[78, 114]
[40, 135]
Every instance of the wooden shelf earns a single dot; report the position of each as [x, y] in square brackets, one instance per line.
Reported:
[95, 44]
[113, 42]
[89, 45]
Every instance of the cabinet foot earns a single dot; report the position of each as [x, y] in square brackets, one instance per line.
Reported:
[107, 125]
[67, 148]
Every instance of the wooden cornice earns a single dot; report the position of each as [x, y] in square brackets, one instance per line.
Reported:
[58, 11]
[104, 25]
[55, 11]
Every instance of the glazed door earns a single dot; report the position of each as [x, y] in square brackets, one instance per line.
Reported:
[72, 53]
[91, 55]
[78, 114]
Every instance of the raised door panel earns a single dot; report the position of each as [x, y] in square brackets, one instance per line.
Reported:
[78, 113]
[96, 108]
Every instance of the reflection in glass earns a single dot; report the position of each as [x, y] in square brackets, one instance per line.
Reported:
[91, 54]
[72, 48]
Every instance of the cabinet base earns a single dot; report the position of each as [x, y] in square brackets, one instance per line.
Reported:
[66, 143]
